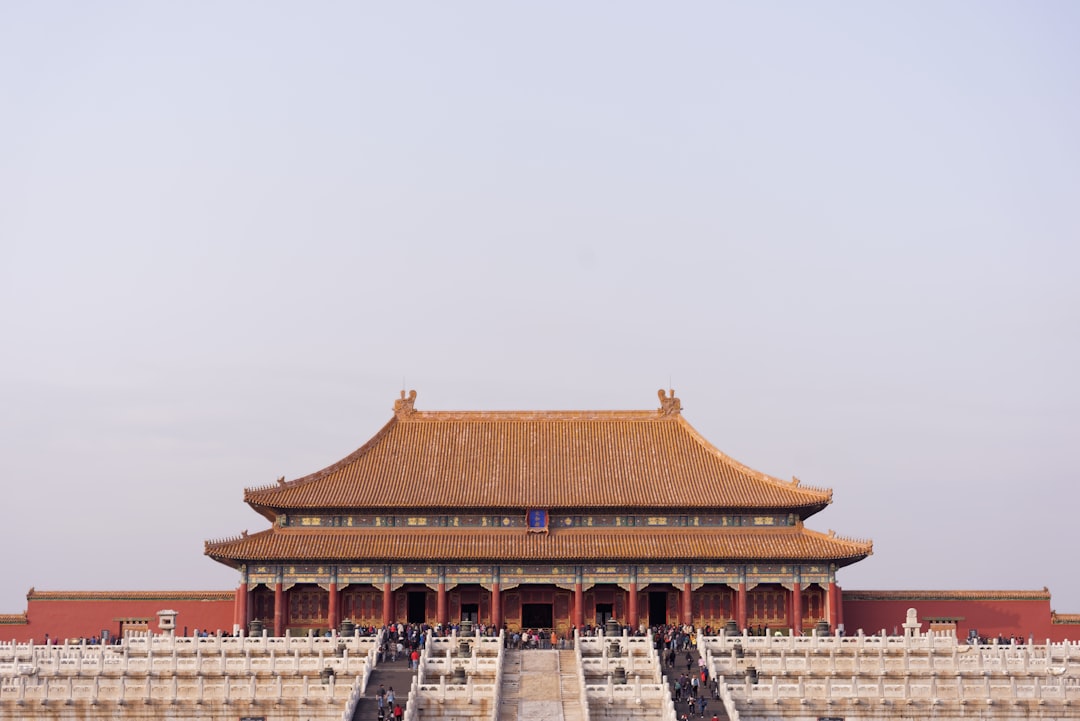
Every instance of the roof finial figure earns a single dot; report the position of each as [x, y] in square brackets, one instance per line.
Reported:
[669, 404]
[404, 405]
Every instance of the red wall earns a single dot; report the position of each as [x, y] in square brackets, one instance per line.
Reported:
[1020, 613]
[68, 614]
[74, 614]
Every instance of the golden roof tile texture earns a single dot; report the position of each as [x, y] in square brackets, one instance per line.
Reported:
[400, 544]
[35, 595]
[553, 460]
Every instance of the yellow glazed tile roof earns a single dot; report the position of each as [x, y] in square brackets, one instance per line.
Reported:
[552, 460]
[406, 544]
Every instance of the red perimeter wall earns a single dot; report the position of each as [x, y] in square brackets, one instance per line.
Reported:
[75, 614]
[84, 614]
[992, 613]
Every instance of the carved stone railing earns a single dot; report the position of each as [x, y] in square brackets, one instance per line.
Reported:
[483, 677]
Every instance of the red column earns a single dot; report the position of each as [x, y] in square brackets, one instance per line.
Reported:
[839, 606]
[796, 610]
[441, 612]
[279, 609]
[832, 606]
[740, 606]
[687, 605]
[387, 604]
[631, 608]
[333, 621]
[579, 606]
[496, 606]
[242, 606]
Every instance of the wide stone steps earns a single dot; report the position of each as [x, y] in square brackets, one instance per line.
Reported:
[510, 686]
[570, 686]
[391, 674]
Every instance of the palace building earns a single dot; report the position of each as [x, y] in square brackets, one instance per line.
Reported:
[538, 519]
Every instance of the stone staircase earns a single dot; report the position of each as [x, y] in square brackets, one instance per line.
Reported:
[570, 686]
[510, 686]
[673, 673]
[391, 674]
[540, 686]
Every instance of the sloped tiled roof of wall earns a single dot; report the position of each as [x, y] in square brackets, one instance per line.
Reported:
[1043, 595]
[552, 460]
[35, 595]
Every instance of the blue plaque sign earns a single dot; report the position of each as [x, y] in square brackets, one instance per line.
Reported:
[537, 521]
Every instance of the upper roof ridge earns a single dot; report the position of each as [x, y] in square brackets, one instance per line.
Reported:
[405, 409]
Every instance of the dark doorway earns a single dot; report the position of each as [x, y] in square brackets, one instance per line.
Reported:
[417, 606]
[604, 611]
[657, 608]
[470, 612]
[537, 615]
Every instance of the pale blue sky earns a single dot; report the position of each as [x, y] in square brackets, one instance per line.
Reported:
[846, 232]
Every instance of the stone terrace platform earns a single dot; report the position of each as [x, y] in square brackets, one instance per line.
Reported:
[184, 678]
[881, 677]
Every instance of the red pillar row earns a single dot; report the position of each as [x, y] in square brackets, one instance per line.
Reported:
[442, 614]
[796, 610]
[687, 605]
[279, 609]
[579, 606]
[332, 610]
[242, 606]
[740, 606]
[387, 604]
[832, 606]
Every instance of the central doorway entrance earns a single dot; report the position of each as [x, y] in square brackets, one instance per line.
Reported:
[470, 612]
[604, 611]
[657, 608]
[417, 612]
[537, 615]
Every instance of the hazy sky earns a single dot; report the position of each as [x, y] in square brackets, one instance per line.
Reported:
[847, 234]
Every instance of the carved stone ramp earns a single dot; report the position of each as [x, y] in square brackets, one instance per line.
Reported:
[540, 686]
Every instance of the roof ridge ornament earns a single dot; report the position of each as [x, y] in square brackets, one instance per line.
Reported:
[403, 407]
[669, 404]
